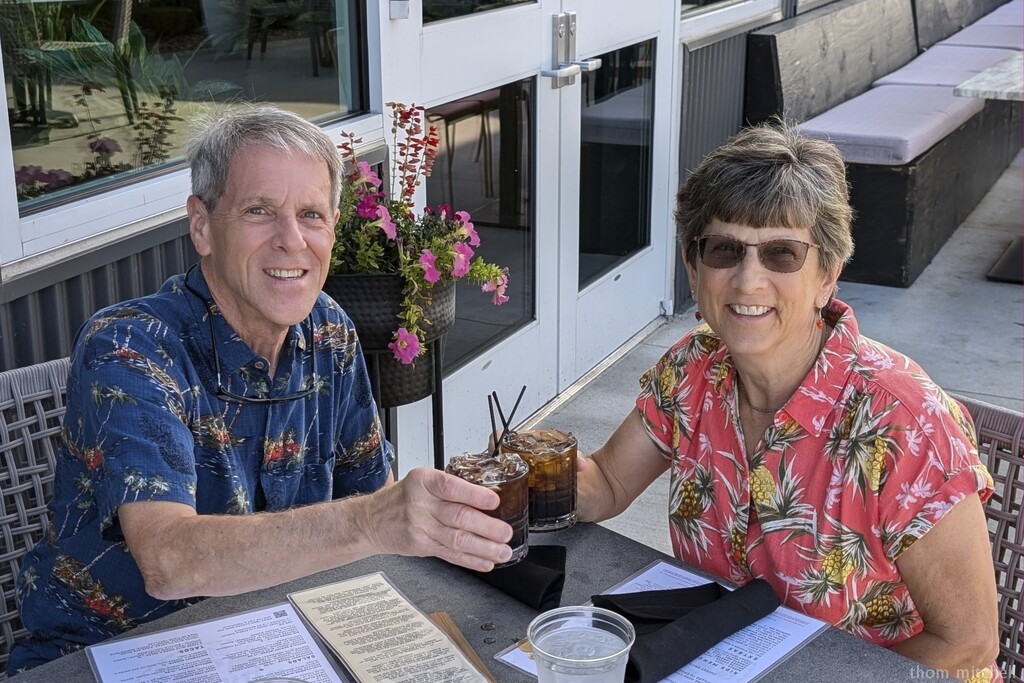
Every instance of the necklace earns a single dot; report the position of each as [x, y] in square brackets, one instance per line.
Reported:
[771, 411]
[756, 409]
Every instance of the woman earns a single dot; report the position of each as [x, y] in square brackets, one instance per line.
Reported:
[800, 451]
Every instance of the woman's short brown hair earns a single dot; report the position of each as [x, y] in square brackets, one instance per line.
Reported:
[770, 175]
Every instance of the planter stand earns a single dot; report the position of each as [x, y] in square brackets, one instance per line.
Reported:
[372, 302]
[435, 350]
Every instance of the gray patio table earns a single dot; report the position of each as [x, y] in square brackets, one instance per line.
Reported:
[597, 559]
[1001, 81]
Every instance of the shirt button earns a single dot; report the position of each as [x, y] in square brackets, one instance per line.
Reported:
[258, 364]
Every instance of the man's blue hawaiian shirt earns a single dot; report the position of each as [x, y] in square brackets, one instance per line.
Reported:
[143, 423]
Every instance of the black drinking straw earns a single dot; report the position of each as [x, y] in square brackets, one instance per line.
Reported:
[504, 423]
[501, 413]
[494, 427]
[518, 399]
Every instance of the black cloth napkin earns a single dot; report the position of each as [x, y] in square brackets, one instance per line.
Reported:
[674, 627]
[536, 580]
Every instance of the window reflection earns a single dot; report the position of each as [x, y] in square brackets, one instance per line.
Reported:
[101, 91]
[694, 5]
[434, 10]
[485, 166]
[615, 159]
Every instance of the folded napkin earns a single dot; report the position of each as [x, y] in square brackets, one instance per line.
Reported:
[676, 626]
[536, 580]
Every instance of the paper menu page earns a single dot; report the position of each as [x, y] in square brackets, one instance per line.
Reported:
[740, 658]
[379, 635]
[243, 647]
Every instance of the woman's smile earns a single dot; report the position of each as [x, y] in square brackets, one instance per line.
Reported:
[740, 309]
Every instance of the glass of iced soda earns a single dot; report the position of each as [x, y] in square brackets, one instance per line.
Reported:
[551, 455]
[506, 475]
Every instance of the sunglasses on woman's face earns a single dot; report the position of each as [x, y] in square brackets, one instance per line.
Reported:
[779, 256]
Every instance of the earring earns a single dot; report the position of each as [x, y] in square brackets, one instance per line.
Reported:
[698, 316]
[819, 323]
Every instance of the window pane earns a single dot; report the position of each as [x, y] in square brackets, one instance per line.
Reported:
[485, 166]
[693, 5]
[100, 92]
[446, 9]
[615, 159]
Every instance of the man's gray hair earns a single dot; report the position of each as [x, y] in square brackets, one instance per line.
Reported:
[224, 133]
[771, 175]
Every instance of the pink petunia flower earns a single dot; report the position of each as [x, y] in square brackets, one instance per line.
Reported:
[498, 286]
[27, 174]
[386, 224]
[106, 147]
[430, 271]
[467, 228]
[406, 347]
[367, 175]
[56, 178]
[367, 206]
[463, 253]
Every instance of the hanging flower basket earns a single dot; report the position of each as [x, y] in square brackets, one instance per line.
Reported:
[373, 303]
[380, 231]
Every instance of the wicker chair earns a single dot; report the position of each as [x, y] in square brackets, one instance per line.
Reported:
[31, 409]
[1002, 451]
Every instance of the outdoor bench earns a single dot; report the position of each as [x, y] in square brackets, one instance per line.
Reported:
[919, 158]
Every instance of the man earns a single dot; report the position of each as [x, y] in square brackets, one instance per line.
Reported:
[237, 388]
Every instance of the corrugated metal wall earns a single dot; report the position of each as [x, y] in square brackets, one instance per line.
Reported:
[40, 315]
[712, 111]
[712, 98]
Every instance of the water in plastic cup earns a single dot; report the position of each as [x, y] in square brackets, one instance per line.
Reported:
[551, 455]
[580, 645]
[506, 475]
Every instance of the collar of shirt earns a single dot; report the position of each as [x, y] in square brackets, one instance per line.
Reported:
[235, 355]
[815, 397]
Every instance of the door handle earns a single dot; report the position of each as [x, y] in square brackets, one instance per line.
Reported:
[588, 65]
[565, 65]
[564, 72]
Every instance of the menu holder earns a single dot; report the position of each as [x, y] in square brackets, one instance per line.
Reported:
[379, 636]
[444, 621]
[294, 640]
[252, 645]
[742, 657]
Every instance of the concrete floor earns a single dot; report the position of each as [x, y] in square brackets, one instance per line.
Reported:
[965, 331]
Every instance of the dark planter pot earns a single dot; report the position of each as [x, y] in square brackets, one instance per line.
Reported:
[372, 302]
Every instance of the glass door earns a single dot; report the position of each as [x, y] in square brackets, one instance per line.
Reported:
[616, 203]
[558, 156]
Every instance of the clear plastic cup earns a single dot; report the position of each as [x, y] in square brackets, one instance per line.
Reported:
[576, 644]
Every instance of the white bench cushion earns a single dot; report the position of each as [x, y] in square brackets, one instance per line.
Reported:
[948, 65]
[892, 125]
[988, 35]
[1010, 14]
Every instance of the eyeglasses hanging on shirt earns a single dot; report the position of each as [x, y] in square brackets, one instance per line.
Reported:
[225, 394]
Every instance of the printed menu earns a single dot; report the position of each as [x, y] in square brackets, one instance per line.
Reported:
[742, 657]
[243, 647]
[377, 635]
